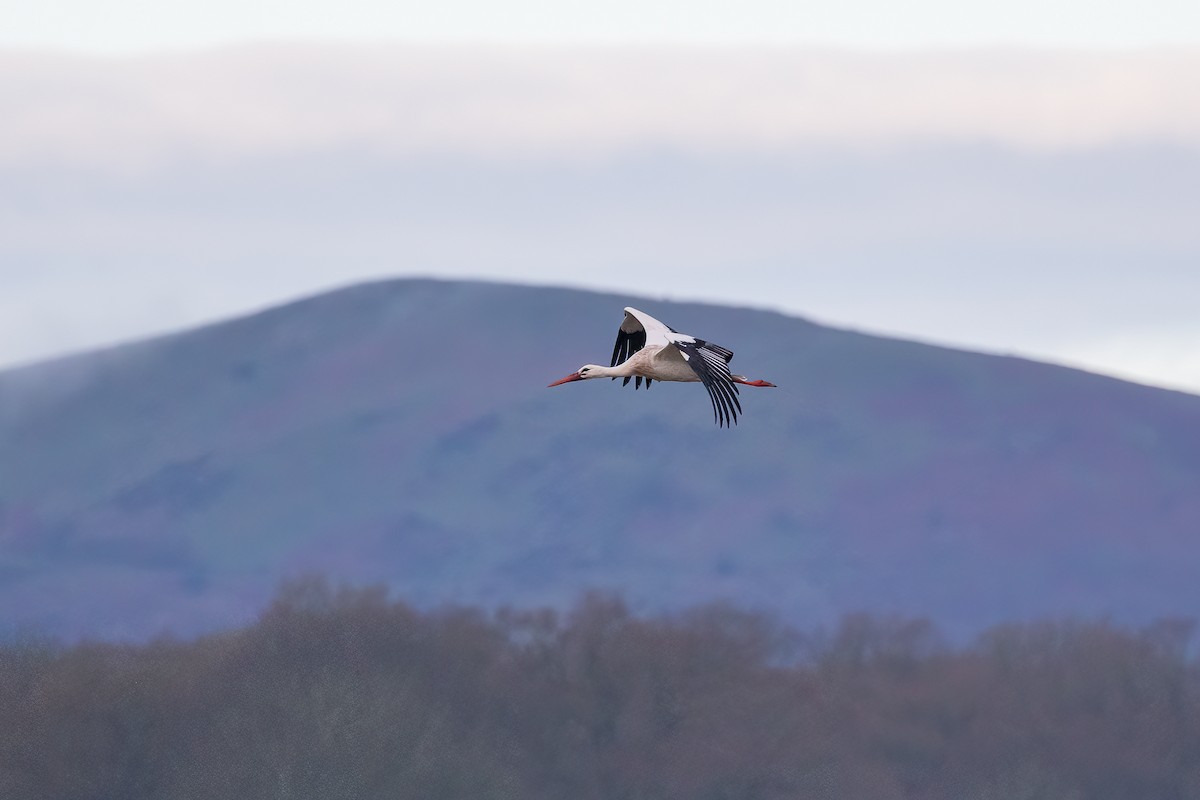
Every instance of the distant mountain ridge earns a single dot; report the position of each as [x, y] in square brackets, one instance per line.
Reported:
[400, 432]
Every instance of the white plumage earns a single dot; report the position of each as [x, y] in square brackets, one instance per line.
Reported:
[646, 349]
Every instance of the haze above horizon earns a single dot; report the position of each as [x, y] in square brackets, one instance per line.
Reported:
[131, 26]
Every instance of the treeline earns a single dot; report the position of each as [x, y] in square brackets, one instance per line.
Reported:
[347, 694]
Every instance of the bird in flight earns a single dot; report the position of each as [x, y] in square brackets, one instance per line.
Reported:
[648, 350]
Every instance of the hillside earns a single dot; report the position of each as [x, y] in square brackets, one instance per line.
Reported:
[402, 432]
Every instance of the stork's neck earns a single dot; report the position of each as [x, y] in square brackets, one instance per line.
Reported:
[623, 370]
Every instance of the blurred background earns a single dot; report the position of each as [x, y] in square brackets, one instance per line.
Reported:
[287, 510]
[1016, 178]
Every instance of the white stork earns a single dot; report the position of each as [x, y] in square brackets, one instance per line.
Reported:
[648, 349]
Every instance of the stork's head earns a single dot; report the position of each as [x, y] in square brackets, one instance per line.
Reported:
[584, 372]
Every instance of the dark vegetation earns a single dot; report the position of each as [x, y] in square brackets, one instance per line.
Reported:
[347, 694]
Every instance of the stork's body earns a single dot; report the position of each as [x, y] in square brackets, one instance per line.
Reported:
[646, 349]
[654, 363]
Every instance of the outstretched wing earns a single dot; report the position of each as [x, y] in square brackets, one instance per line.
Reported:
[710, 362]
[637, 329]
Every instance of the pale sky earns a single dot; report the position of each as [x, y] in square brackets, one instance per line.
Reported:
[1015, 176]
[1040, 203]
[134, 26]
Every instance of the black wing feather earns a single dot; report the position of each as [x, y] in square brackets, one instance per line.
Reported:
[628, 344]
[710, 362]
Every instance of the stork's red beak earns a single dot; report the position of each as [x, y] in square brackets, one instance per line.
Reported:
[574, 376]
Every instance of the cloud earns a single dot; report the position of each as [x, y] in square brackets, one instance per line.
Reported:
[498, 102]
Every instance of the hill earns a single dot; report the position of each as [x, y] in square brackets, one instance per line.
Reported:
[401, 432]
